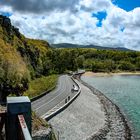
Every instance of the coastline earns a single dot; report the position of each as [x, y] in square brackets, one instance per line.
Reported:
[116, 126]
[101, 74]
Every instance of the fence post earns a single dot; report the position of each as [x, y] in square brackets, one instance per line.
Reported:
[17, 106]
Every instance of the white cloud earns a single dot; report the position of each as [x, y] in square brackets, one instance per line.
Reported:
[80, 27]
[95, 5]
[5, 9]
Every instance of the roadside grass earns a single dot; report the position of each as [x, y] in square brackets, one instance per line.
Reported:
[37, 122]
[40, 85]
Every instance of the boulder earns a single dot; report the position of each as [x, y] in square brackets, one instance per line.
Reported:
[43, 134]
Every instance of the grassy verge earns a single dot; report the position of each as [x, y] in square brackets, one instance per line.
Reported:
[38, 123]
[39, 85]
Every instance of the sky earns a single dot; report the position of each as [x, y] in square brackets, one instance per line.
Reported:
[108, 23]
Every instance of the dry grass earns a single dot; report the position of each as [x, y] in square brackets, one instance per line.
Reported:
[38, 123]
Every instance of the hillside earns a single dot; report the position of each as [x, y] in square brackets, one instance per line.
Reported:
[68, 45]
[20, 59]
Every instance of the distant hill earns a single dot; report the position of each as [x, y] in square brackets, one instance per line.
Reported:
[68, 45]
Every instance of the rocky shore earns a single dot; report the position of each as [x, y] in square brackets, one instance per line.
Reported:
[116, 126]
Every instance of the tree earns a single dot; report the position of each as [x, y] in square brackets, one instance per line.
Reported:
[14, 75]
[138, 63]
[127, 66]
[80, 60]
[88, 64]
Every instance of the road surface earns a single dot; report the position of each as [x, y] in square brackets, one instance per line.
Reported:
[49, 101]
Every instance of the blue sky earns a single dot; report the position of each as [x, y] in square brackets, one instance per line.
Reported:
[109, 23]
[7, 14]
[127, 5]
[100, 16]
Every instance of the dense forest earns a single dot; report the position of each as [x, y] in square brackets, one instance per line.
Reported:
[23, 59]
[61, 60]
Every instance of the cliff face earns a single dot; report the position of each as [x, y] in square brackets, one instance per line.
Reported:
[20, 59]
[6, 24]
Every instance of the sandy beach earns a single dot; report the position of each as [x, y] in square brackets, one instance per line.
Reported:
[101, 74]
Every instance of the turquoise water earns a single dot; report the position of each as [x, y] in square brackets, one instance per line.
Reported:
[124, 90]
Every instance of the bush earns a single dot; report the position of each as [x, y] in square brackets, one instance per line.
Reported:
[14, 75]
[39, 85]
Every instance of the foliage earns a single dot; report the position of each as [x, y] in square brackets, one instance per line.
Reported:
[39, 85]
[38, 123]
[20, 58]
[62, 60]
[14, 75]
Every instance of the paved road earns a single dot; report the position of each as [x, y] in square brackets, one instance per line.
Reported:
[47, 102]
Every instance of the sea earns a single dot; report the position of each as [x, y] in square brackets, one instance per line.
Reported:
[124, 91]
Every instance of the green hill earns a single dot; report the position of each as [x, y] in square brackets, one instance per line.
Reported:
[20, 59]
[69, 45]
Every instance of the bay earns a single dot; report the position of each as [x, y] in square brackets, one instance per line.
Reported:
[124, 90]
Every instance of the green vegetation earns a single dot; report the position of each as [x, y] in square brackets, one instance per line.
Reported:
[39, 85]
[38, 122]
[61, 60]
[14, 75]
[41, 124]
[70, 45]
[22, 60]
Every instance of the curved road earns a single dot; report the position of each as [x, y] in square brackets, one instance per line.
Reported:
[49, 101]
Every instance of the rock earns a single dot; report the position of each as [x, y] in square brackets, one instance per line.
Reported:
[6, 23]
[1, 20]
[16, 30]
[43, 134]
